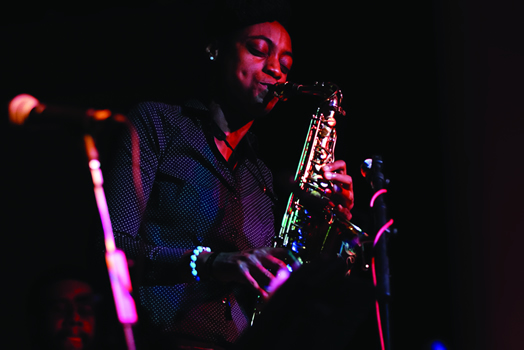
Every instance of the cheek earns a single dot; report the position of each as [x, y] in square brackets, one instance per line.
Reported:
[241, 76]
[89, 326]
[236, 74]
[246, 71]
[246, 65]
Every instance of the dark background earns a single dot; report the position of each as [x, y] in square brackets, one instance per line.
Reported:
[434, 87]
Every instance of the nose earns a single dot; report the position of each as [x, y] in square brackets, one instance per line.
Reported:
[73, 317]
[272, 67]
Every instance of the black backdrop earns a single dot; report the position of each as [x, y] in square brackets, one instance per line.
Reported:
[435, 88]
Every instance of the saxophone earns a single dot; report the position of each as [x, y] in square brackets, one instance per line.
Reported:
[310, 226]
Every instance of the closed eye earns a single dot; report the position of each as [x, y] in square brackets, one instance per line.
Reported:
[284, 69]
[257, 48]
[256, 52]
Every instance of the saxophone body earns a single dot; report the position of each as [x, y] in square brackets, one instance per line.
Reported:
[310, 226]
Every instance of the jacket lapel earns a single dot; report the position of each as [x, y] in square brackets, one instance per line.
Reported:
[199, 134]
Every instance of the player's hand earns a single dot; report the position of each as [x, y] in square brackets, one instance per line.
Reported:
[343, 198]
[260, 268]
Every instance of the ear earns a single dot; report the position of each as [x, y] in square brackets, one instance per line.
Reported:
[212, 50]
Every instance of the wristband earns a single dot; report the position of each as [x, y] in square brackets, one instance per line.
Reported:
[193, 259]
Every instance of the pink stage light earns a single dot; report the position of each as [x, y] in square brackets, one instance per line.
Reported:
[378, 193]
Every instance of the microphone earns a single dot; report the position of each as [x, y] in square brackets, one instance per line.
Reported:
[26, 108]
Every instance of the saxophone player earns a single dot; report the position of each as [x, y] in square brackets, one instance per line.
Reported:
[201, 233]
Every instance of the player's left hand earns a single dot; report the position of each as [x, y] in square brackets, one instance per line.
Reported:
[343, 198]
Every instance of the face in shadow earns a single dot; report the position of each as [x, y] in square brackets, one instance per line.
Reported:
[69, 317]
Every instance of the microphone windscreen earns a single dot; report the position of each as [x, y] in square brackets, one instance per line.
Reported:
[20, 107]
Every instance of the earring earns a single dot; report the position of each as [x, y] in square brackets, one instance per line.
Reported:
[212, 55]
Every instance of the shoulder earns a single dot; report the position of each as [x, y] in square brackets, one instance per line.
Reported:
[162, 117]
[154, 110]
[166, 122]
[189, 111]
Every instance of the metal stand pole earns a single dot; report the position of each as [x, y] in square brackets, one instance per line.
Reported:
[115, 259]
[372, 170]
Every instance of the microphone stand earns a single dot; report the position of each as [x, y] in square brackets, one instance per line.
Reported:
[372, 170]
[115, 259]
[19, 111]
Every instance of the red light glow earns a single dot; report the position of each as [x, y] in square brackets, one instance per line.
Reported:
[121, 286]
[377, 306]
[381, 231]
[379, 326]
[378, 193]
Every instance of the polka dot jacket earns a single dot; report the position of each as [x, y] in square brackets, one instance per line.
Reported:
[191, 197]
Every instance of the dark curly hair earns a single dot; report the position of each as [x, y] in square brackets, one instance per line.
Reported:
[229, 16]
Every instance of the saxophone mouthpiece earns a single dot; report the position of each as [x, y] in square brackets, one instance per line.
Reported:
[285, 90]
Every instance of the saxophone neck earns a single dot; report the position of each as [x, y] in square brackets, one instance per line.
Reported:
[327, 91]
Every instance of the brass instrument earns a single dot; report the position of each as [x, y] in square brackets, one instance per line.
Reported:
[308, 224]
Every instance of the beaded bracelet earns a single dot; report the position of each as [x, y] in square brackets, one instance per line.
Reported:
[193, 257]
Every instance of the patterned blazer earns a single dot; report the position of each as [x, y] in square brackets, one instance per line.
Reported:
[192, 196]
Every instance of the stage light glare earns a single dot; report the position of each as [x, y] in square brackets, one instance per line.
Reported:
[438, 345]
[94, 164]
